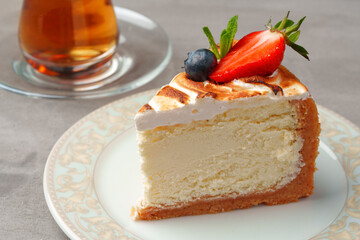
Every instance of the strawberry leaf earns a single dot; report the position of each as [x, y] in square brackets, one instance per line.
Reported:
[283, 22]
[302, 51]
[295, 27]
[295, 36]
[211, 42]
[288, 23]
[268, 25]
[291, 34]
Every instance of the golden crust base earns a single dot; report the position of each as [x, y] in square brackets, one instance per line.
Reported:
[302, 186]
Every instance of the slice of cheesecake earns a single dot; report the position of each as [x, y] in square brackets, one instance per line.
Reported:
[208, 148]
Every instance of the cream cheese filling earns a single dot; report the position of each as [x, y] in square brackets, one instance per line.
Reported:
[245, 147]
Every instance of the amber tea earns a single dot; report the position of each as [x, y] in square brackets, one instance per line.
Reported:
[68, 37]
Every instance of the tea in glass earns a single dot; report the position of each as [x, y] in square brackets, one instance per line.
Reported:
[72, 39]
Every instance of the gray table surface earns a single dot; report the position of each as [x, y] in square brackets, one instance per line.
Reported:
[30, 127]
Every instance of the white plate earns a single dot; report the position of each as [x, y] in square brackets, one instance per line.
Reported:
[92, 178]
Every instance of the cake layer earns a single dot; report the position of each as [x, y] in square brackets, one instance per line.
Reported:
[243, 150]
[301, 185]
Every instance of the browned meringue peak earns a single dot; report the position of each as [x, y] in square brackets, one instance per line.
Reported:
[181, 90]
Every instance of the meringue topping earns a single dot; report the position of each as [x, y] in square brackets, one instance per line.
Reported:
[184, 100]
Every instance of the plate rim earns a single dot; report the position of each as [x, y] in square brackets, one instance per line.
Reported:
[51, 160]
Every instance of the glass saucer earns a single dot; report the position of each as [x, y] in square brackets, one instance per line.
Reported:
[143, 53]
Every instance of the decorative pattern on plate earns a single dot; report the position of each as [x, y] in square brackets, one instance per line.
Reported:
[344, 139]
[68, 177]
[73, 159]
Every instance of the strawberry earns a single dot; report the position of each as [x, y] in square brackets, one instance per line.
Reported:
[259, 53]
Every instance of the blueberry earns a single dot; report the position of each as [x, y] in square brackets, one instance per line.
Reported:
[200, 64]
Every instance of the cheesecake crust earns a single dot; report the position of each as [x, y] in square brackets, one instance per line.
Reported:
[308, 128]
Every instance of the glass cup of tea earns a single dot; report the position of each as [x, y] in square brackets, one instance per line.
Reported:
[68, 42]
